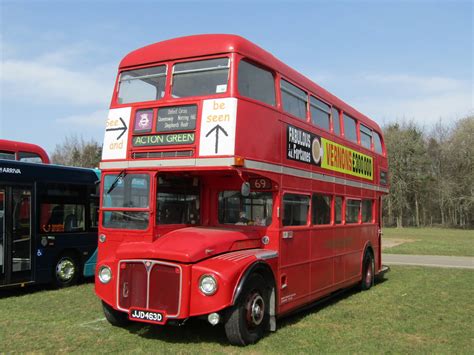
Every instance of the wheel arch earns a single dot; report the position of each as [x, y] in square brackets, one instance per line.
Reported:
[265, 270]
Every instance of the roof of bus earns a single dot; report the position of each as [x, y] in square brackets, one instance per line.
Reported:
[26, 172]
[209, 44]
[16, 146]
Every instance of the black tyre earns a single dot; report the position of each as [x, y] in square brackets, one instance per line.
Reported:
[248, 320]
[116, 318]
[368, 271]
[66, 270]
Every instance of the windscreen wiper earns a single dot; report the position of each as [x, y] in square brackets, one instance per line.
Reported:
[114, 184]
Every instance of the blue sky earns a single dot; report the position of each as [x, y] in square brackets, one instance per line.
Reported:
[390, 60]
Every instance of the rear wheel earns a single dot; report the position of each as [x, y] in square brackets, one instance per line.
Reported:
[249, 318]
[66, 270]
[368, 271]
[116, 318]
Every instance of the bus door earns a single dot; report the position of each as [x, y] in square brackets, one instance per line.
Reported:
[15, 234]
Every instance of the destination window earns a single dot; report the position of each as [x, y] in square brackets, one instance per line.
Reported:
[367, 211]
[320, 113]
[139, 85]
[350, 132]
[365, 136]
[199, 78]
[256, 83]
[321, 208]
[352, 211]
[295, 210]
[177, 200]
[255, 209]
[293, 99]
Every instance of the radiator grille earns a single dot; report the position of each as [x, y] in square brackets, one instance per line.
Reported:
[149, 284]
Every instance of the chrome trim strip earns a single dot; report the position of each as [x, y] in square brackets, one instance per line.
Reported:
[250, 164]
[153, 262]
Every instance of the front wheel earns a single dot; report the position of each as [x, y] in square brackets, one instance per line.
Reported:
[368, 271]
[66, 271]
[116, 318]
[249, 319]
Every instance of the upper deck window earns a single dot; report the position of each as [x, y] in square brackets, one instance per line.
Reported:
[29, 157]
[320, 113]
[335, 121]
[377, 143]
[365, 136]
[256, 83]
[139, 85]
[293, 99]
[350, 128]
[203, 77]
[7, 155]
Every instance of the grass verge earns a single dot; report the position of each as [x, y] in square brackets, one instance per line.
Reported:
[415, 309]
[429, 241]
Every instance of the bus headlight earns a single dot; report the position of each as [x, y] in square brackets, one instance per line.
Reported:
[208, 285]
[105, 274]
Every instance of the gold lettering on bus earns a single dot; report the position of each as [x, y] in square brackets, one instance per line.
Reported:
[345, 160]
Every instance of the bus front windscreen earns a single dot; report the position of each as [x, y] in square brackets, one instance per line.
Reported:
[122, 195]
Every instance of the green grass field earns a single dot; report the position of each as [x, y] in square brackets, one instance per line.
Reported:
[429, 241]
[414, 310]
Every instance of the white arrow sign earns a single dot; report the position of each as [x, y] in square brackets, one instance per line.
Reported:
[217, 136]
[116, 134]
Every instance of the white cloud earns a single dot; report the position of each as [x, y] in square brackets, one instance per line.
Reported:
[389, 97]
[419, 83]
[36, 81]
[94, 119]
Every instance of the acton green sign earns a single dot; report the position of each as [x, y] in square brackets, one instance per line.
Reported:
[163, 139]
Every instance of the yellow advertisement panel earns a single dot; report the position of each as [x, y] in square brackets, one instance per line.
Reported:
[339, 158]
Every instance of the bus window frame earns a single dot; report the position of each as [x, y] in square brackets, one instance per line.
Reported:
[329, 113]
[282, 210]
[149, 209]
[263, 67]
[230, 67]
[281, 106]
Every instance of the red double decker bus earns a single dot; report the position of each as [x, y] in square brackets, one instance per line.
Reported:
[26, 152]
[233, 189]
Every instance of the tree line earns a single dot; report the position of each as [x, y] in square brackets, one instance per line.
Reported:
[431, 173]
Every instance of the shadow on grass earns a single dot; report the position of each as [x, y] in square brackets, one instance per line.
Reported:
[28, 289]
[199, 331]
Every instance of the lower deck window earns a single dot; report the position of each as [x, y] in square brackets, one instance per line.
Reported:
[338, 210]
[177, 201]
[367, 211]
[125, 219]
[352, 211]
[255, 209]
[321, 209]
[295, 210]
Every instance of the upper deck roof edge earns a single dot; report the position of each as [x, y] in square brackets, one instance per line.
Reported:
[208, 44]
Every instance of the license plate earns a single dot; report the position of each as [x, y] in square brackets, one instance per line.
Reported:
[146, 316]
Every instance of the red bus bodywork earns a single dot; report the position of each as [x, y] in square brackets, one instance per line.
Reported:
[21, 151]
[299, 263]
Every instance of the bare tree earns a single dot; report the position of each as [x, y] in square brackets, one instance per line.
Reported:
[75, 151]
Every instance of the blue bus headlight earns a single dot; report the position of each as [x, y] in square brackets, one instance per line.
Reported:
[105, 274]
[208, 285]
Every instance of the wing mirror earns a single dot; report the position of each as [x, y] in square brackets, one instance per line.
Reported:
[245, 189]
